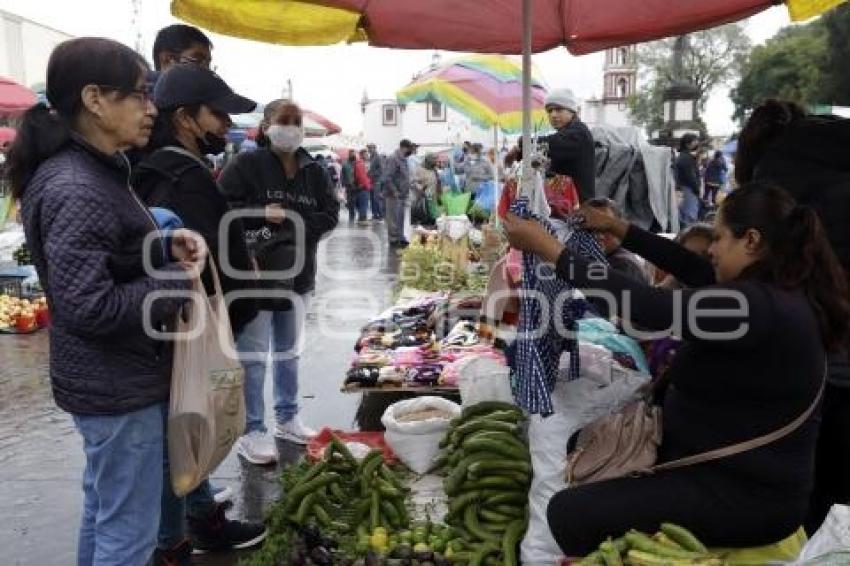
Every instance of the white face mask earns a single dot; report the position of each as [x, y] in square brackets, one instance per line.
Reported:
[285, 138]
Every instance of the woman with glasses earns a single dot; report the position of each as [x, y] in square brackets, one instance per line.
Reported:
[87, 231]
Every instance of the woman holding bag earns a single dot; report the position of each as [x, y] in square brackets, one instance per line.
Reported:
[194, 105]
[86, 229]
[292, 205]
[756, 324]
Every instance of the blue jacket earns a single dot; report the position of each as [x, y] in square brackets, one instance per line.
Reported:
[85, 228]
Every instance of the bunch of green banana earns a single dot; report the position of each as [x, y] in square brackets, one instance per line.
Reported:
[671, 546]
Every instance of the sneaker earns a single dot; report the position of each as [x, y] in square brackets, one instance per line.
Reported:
[222, 494]
[179, 555]
[217, 532]
[295, 431]
[257, 448]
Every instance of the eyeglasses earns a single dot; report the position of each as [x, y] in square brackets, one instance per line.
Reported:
[200, 61]
[142, 94]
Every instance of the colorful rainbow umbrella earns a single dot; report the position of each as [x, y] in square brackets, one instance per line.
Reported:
[485, 88]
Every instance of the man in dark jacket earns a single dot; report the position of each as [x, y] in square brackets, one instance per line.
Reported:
[571, 150]
[194, 106]
[687, 179]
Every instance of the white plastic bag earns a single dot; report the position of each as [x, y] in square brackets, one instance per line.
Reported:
[455, 227]
[416, 443]
[207, 410]
[481, 378]
[830, 546]
[576, 404]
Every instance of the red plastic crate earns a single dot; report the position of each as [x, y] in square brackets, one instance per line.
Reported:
[316, 447]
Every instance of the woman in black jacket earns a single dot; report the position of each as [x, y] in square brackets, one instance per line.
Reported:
[808, 155]
[194, 106]
[757, 322]
[86, 229]
[290, 205]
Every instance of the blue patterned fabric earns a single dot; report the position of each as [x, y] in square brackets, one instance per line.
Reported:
[539, 344]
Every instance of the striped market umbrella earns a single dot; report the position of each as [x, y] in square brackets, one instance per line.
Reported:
[485, 88]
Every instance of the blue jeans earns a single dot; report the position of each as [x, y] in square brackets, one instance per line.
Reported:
[689, 207]
[279, 333]
[363, 199]
[377, 202]
[122, 479]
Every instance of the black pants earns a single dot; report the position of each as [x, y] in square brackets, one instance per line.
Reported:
[832, 459]
[710, 193]
[719, 511]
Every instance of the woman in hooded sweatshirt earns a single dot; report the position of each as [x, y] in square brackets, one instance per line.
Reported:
[88, 231]
[194, 105]
[289, 205]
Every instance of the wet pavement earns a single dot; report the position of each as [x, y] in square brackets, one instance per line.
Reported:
[41, 458]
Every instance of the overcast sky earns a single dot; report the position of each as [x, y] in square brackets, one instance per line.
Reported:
[331, 80]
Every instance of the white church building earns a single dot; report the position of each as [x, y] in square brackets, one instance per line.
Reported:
[619, 83]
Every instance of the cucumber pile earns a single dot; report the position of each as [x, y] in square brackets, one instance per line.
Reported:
[364, 495]
[488, 469]
[671, 546]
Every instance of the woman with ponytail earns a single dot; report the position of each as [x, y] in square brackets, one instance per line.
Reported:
[807, 155]
[756, 322]
[87, 229]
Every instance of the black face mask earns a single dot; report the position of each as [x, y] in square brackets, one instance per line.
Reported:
[211, 144]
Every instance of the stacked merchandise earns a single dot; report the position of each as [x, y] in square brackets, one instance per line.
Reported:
[419, 344]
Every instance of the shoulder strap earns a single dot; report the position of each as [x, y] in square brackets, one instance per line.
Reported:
[746, 446]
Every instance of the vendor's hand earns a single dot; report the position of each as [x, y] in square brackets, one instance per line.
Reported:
[530, 236]
[275, 214]
[189, 249]
[597, 220]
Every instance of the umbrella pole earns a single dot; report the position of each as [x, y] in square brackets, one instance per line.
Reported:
[527, 185]
[496, 191]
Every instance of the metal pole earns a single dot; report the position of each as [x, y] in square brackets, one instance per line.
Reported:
[527, 174]
[496, 190]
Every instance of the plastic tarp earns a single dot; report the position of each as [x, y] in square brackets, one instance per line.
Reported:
[583, 26]
[637, 176]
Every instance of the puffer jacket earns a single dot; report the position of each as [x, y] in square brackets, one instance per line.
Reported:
[85, 228]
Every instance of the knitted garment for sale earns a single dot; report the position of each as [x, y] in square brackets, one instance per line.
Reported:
[540, 343]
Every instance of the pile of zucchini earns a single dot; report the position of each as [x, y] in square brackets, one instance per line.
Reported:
[671, 546]
[339, 492]
[488, 473]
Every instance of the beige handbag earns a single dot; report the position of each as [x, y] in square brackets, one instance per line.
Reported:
[626, 444]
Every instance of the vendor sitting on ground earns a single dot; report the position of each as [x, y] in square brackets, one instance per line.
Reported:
[752, 364]
[619, 258]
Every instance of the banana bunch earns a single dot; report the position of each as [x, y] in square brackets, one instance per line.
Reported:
[671, 546]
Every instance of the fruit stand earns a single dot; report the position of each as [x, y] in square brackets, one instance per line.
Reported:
[20, 313]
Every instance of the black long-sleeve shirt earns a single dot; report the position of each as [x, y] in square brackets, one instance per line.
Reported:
[731, 390]
[571, 153]
[687, 171]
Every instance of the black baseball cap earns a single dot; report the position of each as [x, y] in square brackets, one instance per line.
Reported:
[407, 144]
[187, 84]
